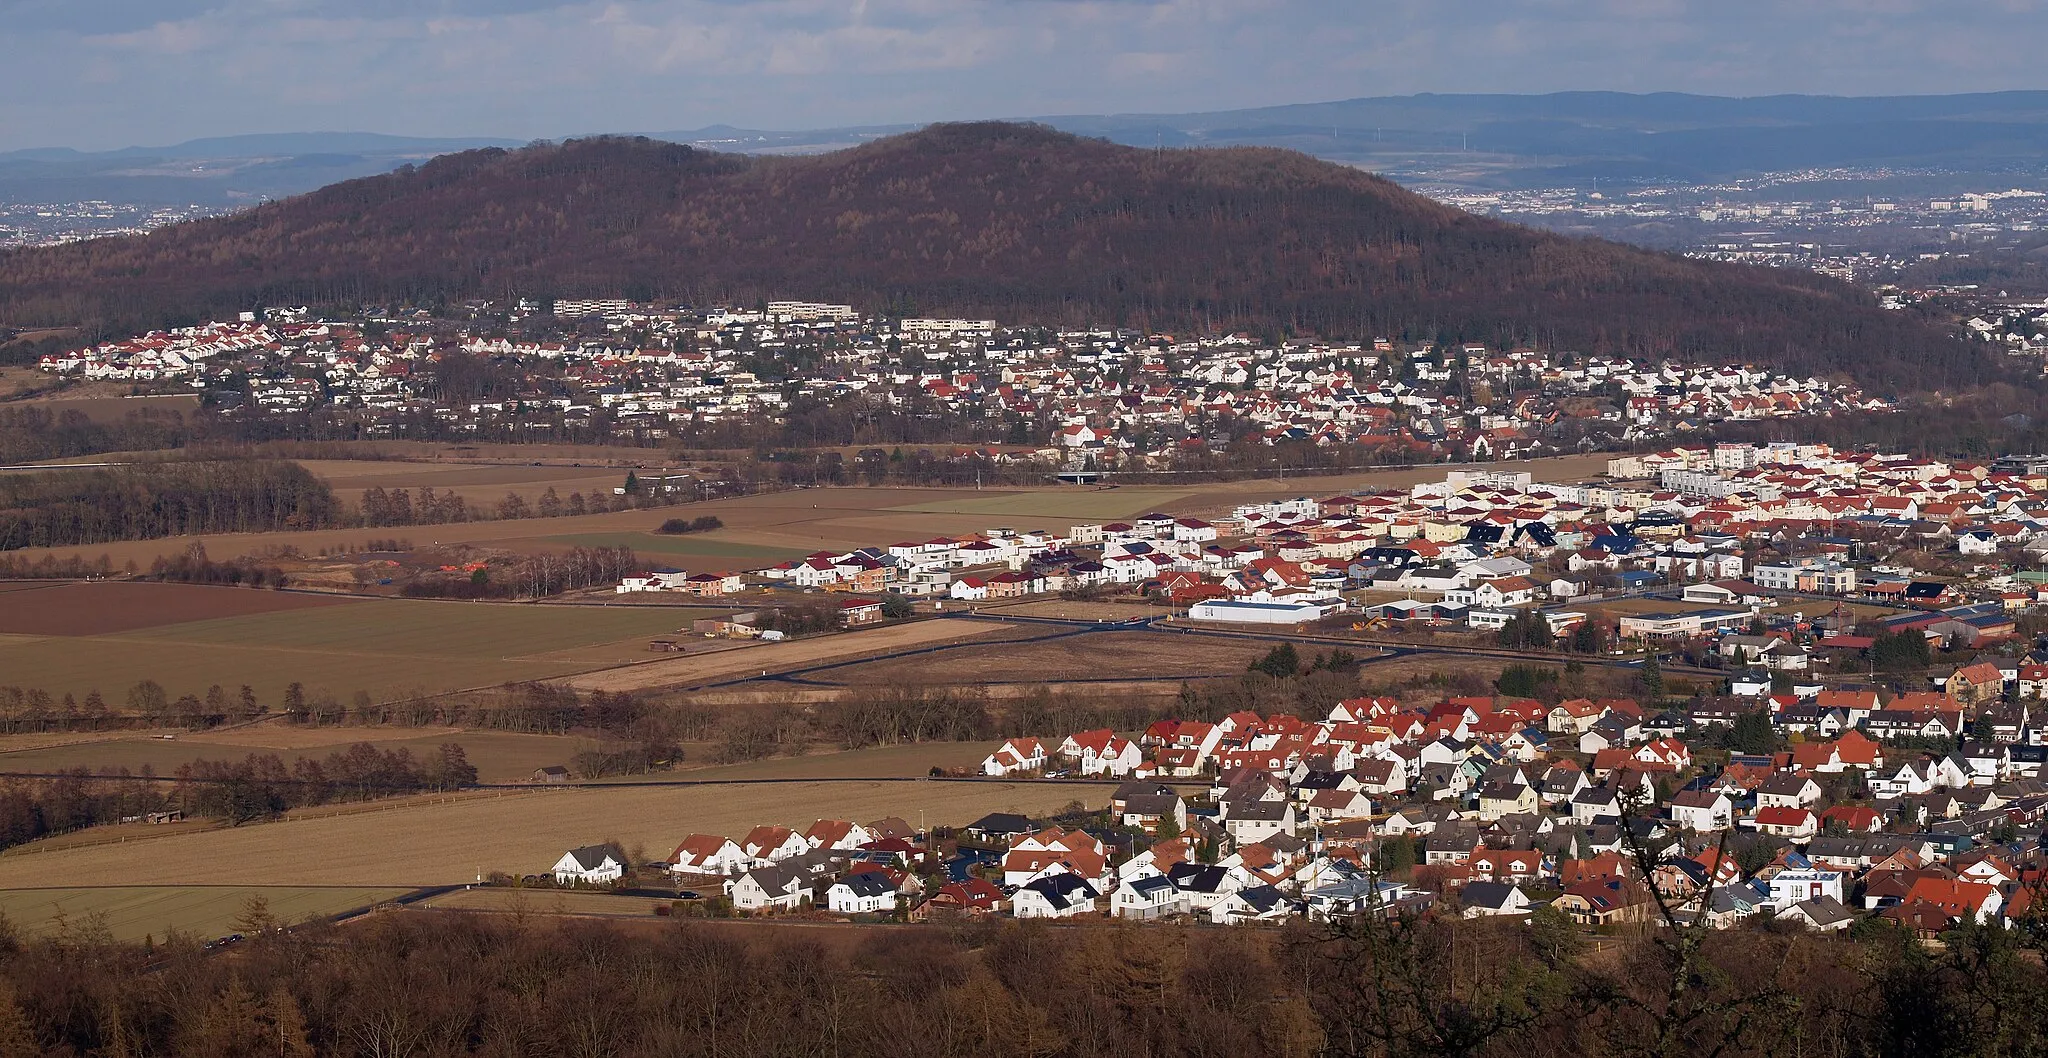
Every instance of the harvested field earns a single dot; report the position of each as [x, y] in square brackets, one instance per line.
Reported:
[776, 657]
[276, 736]
[93, 608]
[1424, 666]
[909, 761]
[725, 555]
[55, 739]
[499, 756]
[114, 408]
[387, 647]
[524, 833]
[1089, 656]
[1083, 503]
[1075, 610]
[131, 913]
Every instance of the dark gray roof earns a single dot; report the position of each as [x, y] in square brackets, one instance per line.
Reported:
[868, 883]
[591, 857]
[1493, 895]
[1062, 890]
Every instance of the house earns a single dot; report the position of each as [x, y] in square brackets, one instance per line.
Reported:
[1604, 901]
[1505, 592]
[590, 865]
[1146, 897]
[1702, 811]
[1116, 758]
[1799, 824]
[837, 835]
[1149, 810]
[1504, 865]
[709, 854]
[775, 887]
[1015, 756]
[1248, 822]
[1056, 851]
[1054, 896]
[869, 892]
[972, 897]
[1494, 899]
[1823, 914]
[1574, 716]
[1788, 790]
[1975, 684]
[1506, 797]
[1262, 903]
[997, 828]
[1789, 887]
[772, 844]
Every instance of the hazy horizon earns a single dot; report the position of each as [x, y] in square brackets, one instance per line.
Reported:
[107, 74]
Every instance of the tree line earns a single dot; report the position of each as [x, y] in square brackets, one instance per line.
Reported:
[239, 791]
[532, 576]
[102, 504]
[263, 786]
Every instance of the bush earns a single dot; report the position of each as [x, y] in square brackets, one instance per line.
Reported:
[680, 526]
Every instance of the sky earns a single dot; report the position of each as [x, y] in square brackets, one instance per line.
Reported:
[100, 74]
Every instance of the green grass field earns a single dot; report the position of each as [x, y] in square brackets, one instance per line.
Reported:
[385, 647]
[1084, 503]
[131, 913]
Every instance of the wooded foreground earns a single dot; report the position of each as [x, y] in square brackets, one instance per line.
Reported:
[428, 983]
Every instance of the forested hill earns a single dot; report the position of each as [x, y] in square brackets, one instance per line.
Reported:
[1017, 223]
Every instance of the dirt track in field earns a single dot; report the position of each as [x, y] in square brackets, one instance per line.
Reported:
[776, 657]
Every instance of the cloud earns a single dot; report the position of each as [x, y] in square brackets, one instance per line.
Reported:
[98, 73]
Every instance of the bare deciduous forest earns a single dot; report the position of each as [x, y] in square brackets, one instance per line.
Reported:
[441, 984]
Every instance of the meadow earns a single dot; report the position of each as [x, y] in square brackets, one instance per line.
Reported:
[133, 913]
[499, 756]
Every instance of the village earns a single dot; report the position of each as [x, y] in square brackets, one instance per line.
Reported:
[1878, 752]
[1720, 533]
[1076, 402]
[1481, 806]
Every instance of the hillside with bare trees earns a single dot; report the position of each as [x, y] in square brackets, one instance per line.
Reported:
[1015, 222]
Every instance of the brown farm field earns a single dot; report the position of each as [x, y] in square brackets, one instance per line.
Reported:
[387, 647]
[1057, 658]
[101, 405]
[449, 840]
[91, 608]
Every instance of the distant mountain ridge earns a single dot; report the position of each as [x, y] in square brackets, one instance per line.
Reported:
[1560, 139]
[216, 171]
[1021, 223]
